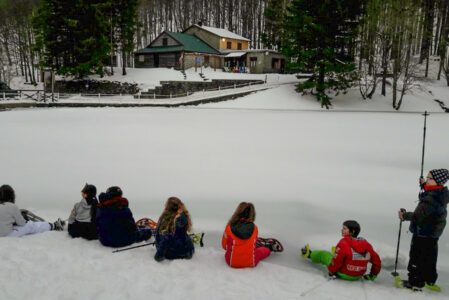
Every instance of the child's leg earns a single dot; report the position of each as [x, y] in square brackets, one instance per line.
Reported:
[142, 234]
[415, 264]
[321, 257]
[429, 263]
[260, 253]
[30, 227]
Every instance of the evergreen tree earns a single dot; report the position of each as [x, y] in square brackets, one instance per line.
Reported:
[274, 13]
[318, 35]
[72, 35]
[125, 23]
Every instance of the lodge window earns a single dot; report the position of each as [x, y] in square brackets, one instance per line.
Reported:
[229, 45]
[239, 46]
[274, 63]
[164, 42]
[141, 58]
[253, 61]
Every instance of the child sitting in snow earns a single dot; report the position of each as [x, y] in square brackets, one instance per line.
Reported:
[115, 223]
[427, 224]
[13, 223]
[83, 216]
[239, 239]
[352, 254]
[172, 239]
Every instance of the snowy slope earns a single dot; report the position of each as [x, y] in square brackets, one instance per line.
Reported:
[305, 171]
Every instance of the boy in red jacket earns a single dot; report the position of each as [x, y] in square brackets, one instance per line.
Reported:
[352, 254]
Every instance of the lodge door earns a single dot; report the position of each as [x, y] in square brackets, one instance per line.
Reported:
[156, 60]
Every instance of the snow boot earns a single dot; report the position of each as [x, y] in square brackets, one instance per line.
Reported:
[305, 252]
[405, 284]
[58, 225]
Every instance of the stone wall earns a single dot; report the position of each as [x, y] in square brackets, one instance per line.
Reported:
[94, 87]
[180, 88]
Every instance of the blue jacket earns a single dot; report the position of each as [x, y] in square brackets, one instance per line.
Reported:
[429, 217]
[177, 244]
[115, 223]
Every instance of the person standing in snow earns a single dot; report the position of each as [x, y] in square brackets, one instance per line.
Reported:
[427, 223]
[239, 239]
[351, 257]
[13, 223]
[82, 219]
[172, 239]
[115, 222]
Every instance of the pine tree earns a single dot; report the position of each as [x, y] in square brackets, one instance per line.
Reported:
[318, 35]
[72, 36]
[125, 25]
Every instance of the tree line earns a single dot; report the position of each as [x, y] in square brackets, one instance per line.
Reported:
[341, 43]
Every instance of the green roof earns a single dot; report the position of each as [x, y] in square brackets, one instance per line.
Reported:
[160, 49]
[190, 43]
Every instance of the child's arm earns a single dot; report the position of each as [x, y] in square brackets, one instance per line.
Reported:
[72, 215]
[18, 218]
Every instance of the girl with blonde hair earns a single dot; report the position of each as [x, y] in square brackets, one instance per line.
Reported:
[172, 239]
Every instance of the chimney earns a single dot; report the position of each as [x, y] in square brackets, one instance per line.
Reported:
[200, 23]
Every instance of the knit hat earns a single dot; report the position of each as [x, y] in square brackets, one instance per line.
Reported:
[440, 176]
[90, 190]
[353, 226]
[114, 191]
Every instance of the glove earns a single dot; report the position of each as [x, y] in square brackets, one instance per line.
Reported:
[369, 277]
[332, 275]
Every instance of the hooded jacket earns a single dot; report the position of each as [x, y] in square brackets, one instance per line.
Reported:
[9, 216]
[177, 244]
[352, 256]
[429, 217]
[239, 241]
[115, 222]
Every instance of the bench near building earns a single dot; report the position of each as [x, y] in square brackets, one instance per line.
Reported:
[203, 46]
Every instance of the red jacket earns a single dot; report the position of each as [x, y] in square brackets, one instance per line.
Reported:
[240, 251]
[352, 255]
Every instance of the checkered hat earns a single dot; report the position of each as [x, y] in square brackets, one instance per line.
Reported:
[440, 176]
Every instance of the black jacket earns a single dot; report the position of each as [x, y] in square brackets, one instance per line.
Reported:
[429, 217]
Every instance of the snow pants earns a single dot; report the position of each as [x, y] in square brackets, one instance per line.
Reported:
[260, 253]
[422, 266]
[325, 257]
[30, 227]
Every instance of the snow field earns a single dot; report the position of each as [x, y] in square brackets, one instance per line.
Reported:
[305, 171]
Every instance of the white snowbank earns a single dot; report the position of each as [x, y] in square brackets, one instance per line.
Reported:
[306, 172]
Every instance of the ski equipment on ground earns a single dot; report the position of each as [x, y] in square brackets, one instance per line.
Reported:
[399, 283]
[146, 223]
[433, 287]
[29, 216]
[133, 247]
[273, 244]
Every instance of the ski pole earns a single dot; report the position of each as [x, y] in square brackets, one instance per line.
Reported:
[424, 142]
[133, 247]
[395, 273]
[317, 286]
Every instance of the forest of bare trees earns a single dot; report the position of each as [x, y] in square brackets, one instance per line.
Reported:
[393, 35]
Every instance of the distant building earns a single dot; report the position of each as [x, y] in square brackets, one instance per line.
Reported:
[208, 46]
[177, 50]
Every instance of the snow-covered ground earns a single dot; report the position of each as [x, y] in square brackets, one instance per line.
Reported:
[151, 77]
[305, 169]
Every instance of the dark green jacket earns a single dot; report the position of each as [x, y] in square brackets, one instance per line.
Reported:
[429, 217]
